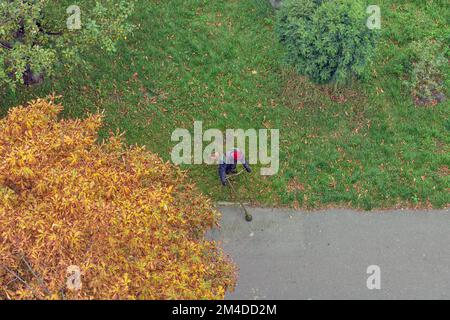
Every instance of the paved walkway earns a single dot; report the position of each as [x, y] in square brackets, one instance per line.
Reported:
[285, 254]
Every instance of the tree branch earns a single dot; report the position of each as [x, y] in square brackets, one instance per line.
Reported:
[20, 279]
[5, 45]
[41, 282]
[49, 33]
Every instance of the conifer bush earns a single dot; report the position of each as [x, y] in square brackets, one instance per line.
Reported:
[328, 41]
[130, 224]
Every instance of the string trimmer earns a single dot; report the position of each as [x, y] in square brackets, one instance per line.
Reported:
[248, 216]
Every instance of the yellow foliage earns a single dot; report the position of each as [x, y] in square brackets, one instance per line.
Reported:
[129, 222]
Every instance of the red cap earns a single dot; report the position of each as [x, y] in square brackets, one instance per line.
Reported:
[236, 155]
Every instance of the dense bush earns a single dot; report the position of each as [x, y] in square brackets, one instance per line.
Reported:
[427, 72]
[129, 222]
[326, 40]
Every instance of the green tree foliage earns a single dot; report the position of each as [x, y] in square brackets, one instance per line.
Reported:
[35, 37]
[328, 41]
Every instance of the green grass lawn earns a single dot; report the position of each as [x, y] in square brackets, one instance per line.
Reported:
[363, 146]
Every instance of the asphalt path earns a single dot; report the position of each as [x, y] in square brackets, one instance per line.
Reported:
[338, 254]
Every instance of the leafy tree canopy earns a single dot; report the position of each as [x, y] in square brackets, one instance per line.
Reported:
[130, 224]
[37, 35]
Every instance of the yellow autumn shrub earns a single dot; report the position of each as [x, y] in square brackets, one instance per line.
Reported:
[84, 220]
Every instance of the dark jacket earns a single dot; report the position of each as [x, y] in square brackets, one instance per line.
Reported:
[228, 164]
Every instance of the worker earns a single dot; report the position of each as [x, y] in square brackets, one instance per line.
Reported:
[228, 163]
